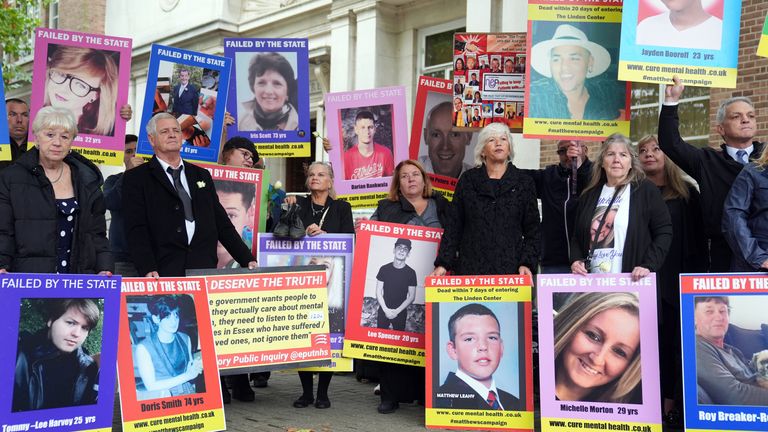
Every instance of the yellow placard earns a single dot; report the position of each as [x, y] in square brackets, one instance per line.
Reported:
[574, 13]
[384, 353]
[101, 157]
[338, 364]
[762, 48]
[212, 420]
[366, 200]
[481, 294]
[5, 152]
[300, 149]
[487, 419]
[543, 127]
[576, 425]
[255, 320]
[699, 76]
[447, 193]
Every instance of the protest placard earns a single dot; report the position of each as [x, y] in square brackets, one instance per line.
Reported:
[698, 41]
[444, 152]
[385, 317]
[725, 362]
[87, 74]
[369, 135]
[61, 347]
[332, 251]
[573, 51]
[268, 318]
[598, 353]
[240, 193]
[192, 87]
[488, 80]
[166, 359]
[479, 364]
[5, 139]
[270, 95]
[762, 47]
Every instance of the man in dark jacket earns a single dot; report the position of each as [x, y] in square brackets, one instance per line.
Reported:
[173, 217]
[714, 170]
[18, 128]
[52, 370]
[113, 196]
[559, 192]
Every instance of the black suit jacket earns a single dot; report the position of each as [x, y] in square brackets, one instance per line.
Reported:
[455, 393]
[155, 228]
[189, 100]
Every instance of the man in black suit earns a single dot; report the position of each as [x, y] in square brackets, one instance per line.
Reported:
[186, 96]
[475, 343]
[173, 217]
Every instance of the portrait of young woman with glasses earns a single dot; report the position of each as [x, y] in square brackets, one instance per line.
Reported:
[84, 81]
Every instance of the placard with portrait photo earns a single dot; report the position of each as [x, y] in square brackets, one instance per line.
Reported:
[270, 95]
[443, 152]
[334, 253]
[725, 351]
[572, 92]
[87, 74]
[369, 135]
[479, 352]
[61, 337]
[385, 317]
[192, 87]
[166, 356]
[696, 40]
[5, 139]
[598, 352]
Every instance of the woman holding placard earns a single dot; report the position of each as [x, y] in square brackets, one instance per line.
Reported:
[622, 224]
[597, 349]
[321, 214]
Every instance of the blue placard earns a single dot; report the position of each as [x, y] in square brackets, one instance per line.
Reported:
[270, 95]
[5, 140]
[199, 106]
[37, 324]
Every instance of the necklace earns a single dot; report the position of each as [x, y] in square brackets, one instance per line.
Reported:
[61, 172]
[316, 212]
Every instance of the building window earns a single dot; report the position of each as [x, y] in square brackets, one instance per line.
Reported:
[436, 49]
[53, 15]
[693, 110]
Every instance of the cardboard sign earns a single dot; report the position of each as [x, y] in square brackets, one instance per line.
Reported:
[270, 95]
[63, 329]
[167, 361]
[488, 80]
[64, 75]
[444, 152]
[369, 134]
[724, 351]
[762, 47]
[573, 52]
[385, 318]
[332, 251]
[598, 353]
[479, 359]
[703, 55]
[5, 139]
[191, 86]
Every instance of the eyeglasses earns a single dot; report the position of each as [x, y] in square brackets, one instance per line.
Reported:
[245, 153]
[78, 87]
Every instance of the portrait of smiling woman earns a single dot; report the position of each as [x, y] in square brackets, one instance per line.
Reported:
[84, 81]
[597, 348]
[272, 80]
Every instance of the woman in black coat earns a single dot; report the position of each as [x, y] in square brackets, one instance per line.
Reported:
[51, 205]
[320, 214]
[410, 201]
[494, 224]
[622, 224]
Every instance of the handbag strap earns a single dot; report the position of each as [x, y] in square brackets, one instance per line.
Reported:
[322, 219]
[593, 243]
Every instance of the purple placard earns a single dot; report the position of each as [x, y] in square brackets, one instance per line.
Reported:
[271, 105]
[554, 291]
[34, 294]
[363, 175]
[87, 74]
[329, 250]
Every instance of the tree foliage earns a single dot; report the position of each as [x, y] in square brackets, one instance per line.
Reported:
[18, 19]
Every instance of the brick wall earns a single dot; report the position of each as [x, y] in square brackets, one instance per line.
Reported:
[85, 16]
[753, 70]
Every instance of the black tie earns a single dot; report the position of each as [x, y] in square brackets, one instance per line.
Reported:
[186, 201]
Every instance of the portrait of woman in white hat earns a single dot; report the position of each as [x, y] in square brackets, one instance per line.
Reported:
[571, 79]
